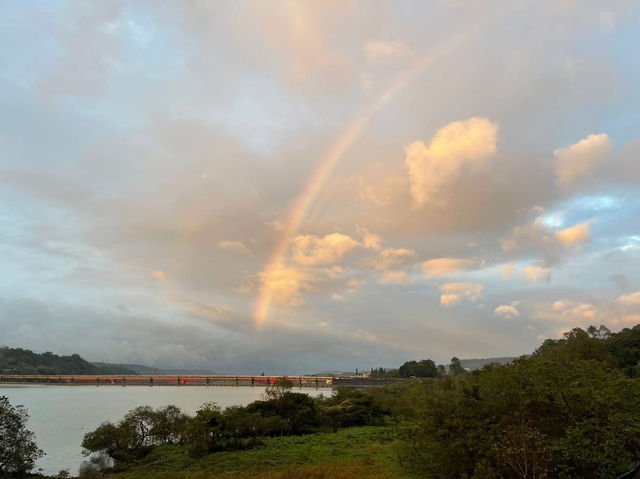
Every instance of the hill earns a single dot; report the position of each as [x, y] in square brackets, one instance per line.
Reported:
[24, 361]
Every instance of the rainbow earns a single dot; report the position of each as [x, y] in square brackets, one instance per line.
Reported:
[328, 162]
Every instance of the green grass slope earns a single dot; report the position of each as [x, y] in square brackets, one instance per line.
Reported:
[358, 452]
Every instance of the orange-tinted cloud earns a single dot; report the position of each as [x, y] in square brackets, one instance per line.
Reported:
[582, 159]
[632, 299]
[394, 277]
[390, 258]
[315, 251]
[457, 145]
[446, 266]
[551, 245]
[450, 299]
[575, 235]
[287, 286]
[471, 291]
[159, 276]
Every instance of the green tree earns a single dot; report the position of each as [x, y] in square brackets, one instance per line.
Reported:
[624, 346]
[558, 414]
[349, 407]
[18, 449]
[456, 367]
[425, 368]
[208, 431]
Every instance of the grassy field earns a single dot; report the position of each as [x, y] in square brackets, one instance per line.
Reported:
[359, 452]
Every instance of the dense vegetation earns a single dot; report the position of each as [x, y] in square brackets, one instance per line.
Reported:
[23, 361]
[18, 450]
[567, 411]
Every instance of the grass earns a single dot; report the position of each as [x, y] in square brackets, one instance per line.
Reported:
[358, 452]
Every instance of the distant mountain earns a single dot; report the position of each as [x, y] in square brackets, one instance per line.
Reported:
[336, 374]
[24, 361]
[152, 371]
[473, 364]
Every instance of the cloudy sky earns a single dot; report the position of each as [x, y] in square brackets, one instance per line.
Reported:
[295, 187]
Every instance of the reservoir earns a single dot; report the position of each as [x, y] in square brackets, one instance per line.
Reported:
[60, 416]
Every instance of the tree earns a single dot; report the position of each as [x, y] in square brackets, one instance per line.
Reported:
[421, 369]
[624, 346]
[277, 389]
[559, 414]
[139, 431]
[208, 431]
[18, 450]
[456, 367]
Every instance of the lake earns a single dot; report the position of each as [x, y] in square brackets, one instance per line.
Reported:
[61, 415]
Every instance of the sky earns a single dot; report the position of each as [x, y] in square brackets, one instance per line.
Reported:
[295, 187]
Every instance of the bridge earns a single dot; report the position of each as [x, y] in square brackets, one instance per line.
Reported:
[173, 380]
[199, 380]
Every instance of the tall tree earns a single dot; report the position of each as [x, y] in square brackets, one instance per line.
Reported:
[18, 449]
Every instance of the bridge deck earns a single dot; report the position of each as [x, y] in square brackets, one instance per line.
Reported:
[150, 380]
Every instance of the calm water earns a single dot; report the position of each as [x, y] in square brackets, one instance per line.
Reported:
[61, 415]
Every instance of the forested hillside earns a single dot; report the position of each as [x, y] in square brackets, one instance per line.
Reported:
[24, 361]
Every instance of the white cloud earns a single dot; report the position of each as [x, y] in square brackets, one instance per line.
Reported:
[457, 145]
[507, 311]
